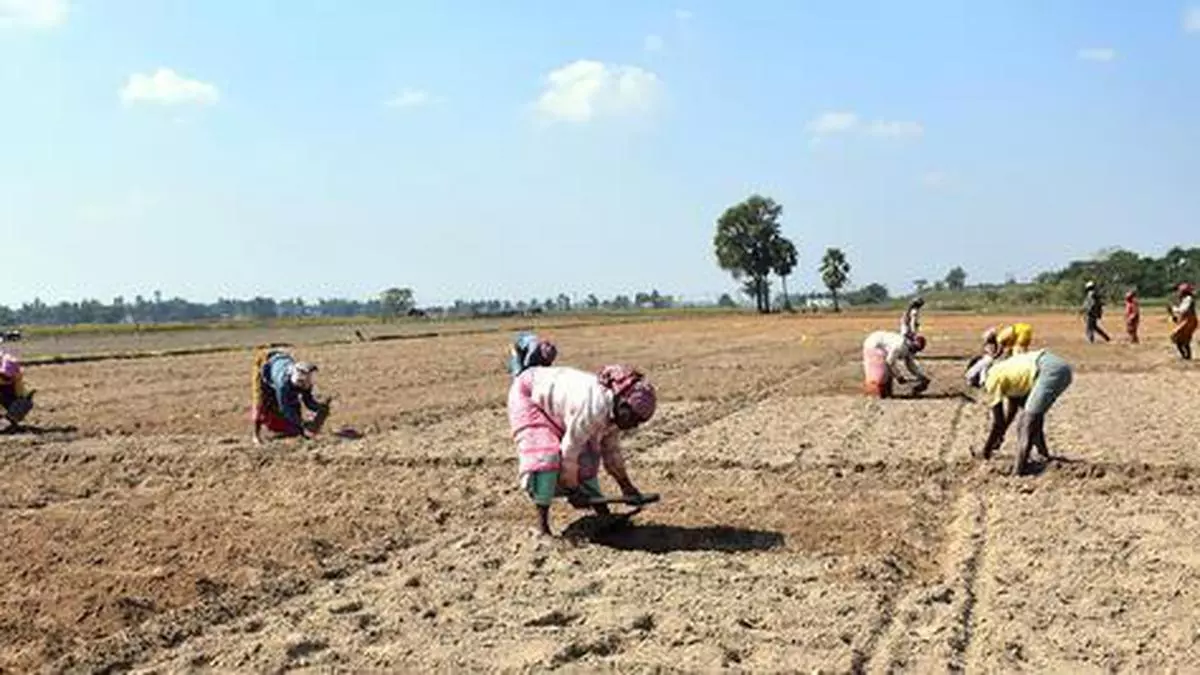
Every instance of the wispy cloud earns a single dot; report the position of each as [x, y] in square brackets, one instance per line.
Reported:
[411, 98]
[1191, 20]
[896, 129]
[653, 43]
[34, 13]
[1102, 54]
[833, 122]
[168, 88]
[683, 14]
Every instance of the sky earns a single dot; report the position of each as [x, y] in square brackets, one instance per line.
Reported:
[519, 149]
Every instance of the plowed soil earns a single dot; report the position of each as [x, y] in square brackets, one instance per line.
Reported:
[803, 527]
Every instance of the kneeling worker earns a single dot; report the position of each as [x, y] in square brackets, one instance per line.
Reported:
[15, 400]
[281, 386]
[883, 354]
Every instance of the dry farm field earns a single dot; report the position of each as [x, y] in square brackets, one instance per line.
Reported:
[803, 527]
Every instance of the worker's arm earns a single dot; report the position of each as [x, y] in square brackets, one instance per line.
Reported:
[999, 425]
[893, 363]
[289, 408]
[614, 462]
[310, 402]
[914, 367]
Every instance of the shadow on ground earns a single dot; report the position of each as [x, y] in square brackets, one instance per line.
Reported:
[626, 535]
[32, 430]
[934, 396]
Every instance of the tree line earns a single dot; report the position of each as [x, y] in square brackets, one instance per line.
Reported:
[392, 303]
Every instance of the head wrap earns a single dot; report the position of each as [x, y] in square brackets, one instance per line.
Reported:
[630, 387]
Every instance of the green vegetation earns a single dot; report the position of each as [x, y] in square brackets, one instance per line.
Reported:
[750, 246]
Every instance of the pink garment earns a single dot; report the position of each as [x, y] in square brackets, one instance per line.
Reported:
[631, 386]
[539, 435]
[876, 374]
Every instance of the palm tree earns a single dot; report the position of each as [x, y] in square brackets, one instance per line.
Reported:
[835, 272]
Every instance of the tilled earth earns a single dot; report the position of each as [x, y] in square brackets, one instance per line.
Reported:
[803, 526]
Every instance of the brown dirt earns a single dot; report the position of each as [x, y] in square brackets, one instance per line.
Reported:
[802, 526]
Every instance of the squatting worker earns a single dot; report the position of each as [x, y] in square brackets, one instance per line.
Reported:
[1184, 316]
[1029, 384]
[884, 352]
[15, 400]
[281, 385]
[566, 422]
[1007, 340]
[530, 350]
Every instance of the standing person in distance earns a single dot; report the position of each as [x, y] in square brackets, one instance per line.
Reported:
[1184, 316]
[1133, 315]
[910, 323]
[1093, 310]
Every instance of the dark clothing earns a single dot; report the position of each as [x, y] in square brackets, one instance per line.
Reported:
[282, 397]
[1093, 310]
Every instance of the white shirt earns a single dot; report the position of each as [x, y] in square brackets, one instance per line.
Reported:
[910, 323]
[897, 350]
[1186, 307]
[576, 399]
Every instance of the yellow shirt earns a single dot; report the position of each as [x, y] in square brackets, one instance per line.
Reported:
[1016, 337]
[1013, 377]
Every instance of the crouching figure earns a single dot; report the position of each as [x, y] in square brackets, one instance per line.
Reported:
[566, 422]
[281, 386]
[1028, 384]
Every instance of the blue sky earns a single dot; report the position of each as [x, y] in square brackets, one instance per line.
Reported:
[334, 148]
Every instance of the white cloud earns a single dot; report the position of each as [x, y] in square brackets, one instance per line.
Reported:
[653, 43]
[411, 98]
[37, 13]
[1102, 54]
[934, 179]
[683, 14]
[584, 90]
[166, 87]
[835, 122]
[896, 129]
[1191, 20]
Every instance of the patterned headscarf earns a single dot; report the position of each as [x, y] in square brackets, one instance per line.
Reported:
[631, 387]
[10, 367]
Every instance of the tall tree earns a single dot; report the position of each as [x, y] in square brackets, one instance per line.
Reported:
[785, 260]
[395, 301]
[745, 244]
[956, 279]
[835, 272]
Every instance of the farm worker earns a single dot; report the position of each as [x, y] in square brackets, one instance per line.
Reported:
[1028, 383]
[15, 399]
[1093, 310]
[529, 351]
[280, 386]
[1008, 340]
[1184, 316]
[883, 354]
[910, 323]
[566, 422]
[1133, 315]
